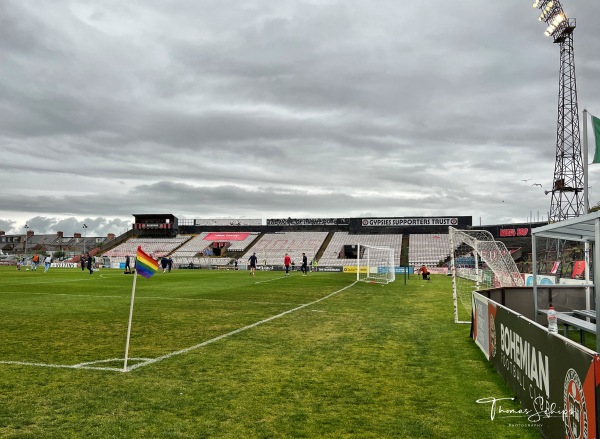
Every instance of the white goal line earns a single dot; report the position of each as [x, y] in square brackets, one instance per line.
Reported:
[147, 361]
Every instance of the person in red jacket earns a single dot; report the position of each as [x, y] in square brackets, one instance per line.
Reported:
[424, 271]
[35, 261]
[287, 261]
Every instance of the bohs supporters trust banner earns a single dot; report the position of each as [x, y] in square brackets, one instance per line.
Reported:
[554, 378]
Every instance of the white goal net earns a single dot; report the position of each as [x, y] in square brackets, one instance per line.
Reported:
[375, 264]
[478, 262]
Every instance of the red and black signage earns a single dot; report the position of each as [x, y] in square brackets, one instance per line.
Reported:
[554, 378]
[146, 226]
[521, 231]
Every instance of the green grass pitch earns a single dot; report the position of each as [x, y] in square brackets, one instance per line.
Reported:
[226, 355]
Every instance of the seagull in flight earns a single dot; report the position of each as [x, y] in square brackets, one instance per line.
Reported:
[526, 180]
[537, 184]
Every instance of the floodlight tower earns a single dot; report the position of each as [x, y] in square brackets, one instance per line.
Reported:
[568, 194]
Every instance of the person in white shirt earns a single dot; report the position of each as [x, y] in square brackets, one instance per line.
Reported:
[47, 263]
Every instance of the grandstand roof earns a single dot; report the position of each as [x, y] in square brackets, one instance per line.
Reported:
[154, 215]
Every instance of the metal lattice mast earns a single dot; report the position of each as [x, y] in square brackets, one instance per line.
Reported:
[568, 185]
[567, 191]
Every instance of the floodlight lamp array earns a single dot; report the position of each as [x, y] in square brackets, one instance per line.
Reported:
[552, 14]
[558, 19]
[545, 7]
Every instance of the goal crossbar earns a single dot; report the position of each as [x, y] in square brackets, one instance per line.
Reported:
[375, 264]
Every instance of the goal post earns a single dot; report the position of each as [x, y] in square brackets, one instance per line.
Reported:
[375, 264]
[478, 262]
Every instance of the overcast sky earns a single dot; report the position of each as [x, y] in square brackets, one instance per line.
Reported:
[276, 109]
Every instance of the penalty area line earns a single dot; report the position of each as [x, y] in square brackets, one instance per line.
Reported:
[236, 331]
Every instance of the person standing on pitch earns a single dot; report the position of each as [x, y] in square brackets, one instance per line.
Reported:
[89, 263]
[47, 262]
[127, 266]
[286, 261]
[164, 263]
[35, 261]
[304, 267]
[252, 261]
[82, 260]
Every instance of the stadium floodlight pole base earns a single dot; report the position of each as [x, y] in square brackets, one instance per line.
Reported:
[375, 264]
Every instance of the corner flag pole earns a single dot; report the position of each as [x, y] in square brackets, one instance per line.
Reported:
[130, 318]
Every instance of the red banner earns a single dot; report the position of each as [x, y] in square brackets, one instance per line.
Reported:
[521, 231]
[226, 236]
[578, 269]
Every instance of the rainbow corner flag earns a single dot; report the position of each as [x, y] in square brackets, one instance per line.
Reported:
[144, 264]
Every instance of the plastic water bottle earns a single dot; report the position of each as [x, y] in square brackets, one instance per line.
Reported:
[552, 324]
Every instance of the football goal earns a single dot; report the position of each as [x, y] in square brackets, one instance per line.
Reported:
[375, 264]
[478, 262]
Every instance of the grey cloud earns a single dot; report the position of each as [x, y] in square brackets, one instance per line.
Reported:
[287, 107]
[40, 225]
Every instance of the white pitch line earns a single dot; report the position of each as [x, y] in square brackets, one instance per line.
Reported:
[56, 366]
[146, 361]
[111, 360]
[270, 280]
[86, 365]
[236, 331]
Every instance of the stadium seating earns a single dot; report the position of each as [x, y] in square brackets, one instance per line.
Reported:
[333, 254]
[156, 247]
[428, 249]
[240, 246]
[272, 247]
[192, 247]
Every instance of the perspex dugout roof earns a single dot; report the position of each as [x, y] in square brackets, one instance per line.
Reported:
[582, 229]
